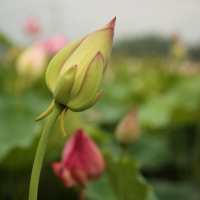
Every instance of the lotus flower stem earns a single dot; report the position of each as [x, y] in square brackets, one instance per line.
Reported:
[81, 194]
[121, 182]
[33, 190]
[122, 152]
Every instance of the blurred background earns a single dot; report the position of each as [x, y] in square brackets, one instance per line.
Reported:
[155, 69]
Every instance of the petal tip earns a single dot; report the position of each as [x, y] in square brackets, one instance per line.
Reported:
[111, 24]
[99, 54]
[79, 133]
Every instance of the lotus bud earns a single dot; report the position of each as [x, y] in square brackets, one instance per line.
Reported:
[75, 74]
[127, 131]
[81, 161]
[32, 61]
[32, 25]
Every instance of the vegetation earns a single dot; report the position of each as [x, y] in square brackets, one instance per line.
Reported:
[143, 74]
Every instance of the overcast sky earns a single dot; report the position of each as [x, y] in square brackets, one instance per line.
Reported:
[77, 18]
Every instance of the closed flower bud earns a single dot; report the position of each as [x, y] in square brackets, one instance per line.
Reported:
[32, 61]
[75, 74]
[127, 131]
[81, 161]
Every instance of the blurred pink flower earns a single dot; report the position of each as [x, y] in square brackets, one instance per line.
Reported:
[127, 131]
[55, 43]
[81, 161]
[32, 25]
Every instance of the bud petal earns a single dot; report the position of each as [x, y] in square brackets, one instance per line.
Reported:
[98, 41]
[56, 64]
[127, 131]
[90, 84]
[63, 174]
[96, 98]
[62, 90]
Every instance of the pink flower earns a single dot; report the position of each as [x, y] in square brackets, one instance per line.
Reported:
[55, 43]
[32, 25]
[81, 161]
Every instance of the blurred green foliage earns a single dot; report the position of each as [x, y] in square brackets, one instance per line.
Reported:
[143, 46]
[194, 53]
[164, 90]
[152, 45]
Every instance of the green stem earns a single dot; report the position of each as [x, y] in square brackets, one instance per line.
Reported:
[122, 152]
[121, 178]
[33, 190]
[81, 193]
[196, 161]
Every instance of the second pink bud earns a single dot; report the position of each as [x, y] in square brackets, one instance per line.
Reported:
[81, 161]
[127, 131]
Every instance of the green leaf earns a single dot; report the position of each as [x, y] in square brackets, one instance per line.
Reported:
[121, 181]
[125, 179]
[17, 124]
[18, 129]
[152, 196]
[101, 189]
[174, 191]
[149, 148]
[157, 112]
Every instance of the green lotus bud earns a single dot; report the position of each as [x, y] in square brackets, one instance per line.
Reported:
[75, 74]
[127, 131]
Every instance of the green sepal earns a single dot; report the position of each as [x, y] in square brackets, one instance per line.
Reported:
[46, 112]
[64, 86]
[90, 85]
[56, 64]
[96, 98]
[62, 121]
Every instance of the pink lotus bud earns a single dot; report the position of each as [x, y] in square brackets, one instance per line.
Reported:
[55, 43]
[81, 161]
[127, 131]
[32, 25]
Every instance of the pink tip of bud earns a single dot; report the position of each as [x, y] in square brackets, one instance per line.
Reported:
[111, 24]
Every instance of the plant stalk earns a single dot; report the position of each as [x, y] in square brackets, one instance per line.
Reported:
[121, 178]
[81, 193]
[33, 190]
